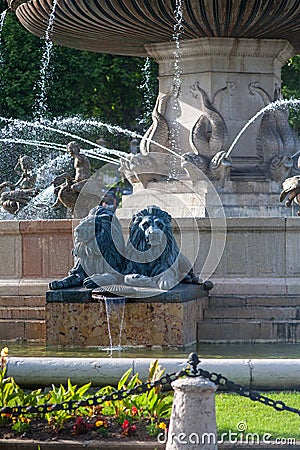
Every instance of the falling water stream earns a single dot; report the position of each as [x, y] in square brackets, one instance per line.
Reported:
[177, 53]
[145, 88]
[41, 100]
[115, 309]
[2, 18]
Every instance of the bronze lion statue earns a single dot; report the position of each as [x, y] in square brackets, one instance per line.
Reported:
[98, 251]
[153, 257]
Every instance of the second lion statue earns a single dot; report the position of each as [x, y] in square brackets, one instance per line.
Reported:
[152, 252]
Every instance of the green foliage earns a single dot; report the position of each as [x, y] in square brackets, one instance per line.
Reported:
[10, 392]
[291, 87]
[21, 425]
[153, 404]
[232, 410]
[60, 395]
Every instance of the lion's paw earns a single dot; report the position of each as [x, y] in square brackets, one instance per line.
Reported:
[165, 285]
[56, 284]
[103, 279]
[137, 280]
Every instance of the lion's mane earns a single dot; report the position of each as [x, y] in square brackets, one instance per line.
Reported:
[137, 241]
[100, 248]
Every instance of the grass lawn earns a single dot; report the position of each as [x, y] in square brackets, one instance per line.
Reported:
[239, 415]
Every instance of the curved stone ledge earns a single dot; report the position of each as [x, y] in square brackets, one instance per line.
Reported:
[268, 374]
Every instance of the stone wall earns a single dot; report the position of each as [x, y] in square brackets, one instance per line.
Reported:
[260, 254]
[34, 250]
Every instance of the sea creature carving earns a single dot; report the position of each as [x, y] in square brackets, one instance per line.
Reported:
[208, 139]
[276, 140]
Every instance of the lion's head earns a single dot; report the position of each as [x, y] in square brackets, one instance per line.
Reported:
[99, 242]
[151, 248]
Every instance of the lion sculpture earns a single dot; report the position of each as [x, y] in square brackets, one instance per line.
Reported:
[153, 257]
[98, 251]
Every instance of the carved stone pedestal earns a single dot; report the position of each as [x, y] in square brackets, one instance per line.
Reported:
[184, 199]
[223, 83]
[82, 318]
[179, 198]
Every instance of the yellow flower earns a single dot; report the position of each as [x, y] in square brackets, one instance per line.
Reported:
[4, 352]
[25, 419]
[162, 425]
[99, 423]
[3, 357]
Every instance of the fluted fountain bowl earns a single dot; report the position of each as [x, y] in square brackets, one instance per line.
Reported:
[125, 26]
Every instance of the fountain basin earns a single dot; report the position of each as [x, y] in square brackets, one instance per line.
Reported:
[124, 28]
[254, 373]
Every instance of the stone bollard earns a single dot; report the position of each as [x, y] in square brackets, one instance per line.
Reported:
[193, 419]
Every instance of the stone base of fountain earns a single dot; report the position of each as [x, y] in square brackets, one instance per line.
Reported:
[251, 198]
[85, 318]
[180, 198]
[255, 197]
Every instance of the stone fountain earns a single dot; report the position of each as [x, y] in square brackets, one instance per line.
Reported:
[219, 65]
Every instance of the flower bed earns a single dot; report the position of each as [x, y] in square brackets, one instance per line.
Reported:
[79, 414]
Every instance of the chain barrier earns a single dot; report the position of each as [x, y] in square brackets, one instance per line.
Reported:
[165, 381]
[220, 380]
[96, 400]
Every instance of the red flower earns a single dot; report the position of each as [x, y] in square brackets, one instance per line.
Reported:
[134, 411]
[127, 428]
[125, 424]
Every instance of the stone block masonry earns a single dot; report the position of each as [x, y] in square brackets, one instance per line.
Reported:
[166, 320]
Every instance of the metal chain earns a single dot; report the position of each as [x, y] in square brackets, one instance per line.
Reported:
[220, 380]
[191, 371]
[72, 405]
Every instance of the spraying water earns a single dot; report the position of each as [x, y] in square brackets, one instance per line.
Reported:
[19, 124]
[39, 206]
[59, 147]
[40, 104]
[145, 88]
[271, 106]
[2, 18]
